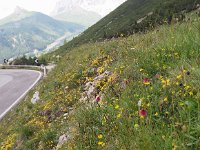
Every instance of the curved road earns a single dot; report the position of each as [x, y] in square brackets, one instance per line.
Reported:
[14, 85]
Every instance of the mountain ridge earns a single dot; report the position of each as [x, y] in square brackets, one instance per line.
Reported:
[18, 14]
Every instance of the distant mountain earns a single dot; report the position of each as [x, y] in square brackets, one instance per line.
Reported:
[85, 12]
[18, 14]
[24, 31]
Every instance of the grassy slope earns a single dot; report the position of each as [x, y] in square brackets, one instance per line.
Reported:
[123, 20]
[165, 56]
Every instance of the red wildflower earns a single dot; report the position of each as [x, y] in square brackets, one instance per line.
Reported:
[98, 99]
[126, 81]
[142, 113]
[146, 81]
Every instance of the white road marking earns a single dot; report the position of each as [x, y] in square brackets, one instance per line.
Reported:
[22, 96]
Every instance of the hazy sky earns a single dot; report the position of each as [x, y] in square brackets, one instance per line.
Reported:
[8, 6]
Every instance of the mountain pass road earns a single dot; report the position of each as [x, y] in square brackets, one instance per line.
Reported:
[14, 85]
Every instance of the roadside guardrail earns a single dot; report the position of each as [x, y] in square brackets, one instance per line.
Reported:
[38, 68]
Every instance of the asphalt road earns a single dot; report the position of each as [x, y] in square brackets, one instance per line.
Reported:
[14, 85]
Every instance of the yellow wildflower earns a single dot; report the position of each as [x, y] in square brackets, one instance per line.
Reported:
[119, 115]
[156, 114]
[117, 106]
[101, 143]
[187, 87]
[173, 92]
[165, 99]
[165, 82]
[136, 126]
[179, 77]
[100, 136]
[190, 93]
[141, 117]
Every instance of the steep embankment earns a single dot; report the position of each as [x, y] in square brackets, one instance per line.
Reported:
[148, 99]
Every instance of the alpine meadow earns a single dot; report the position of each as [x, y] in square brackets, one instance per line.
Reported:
[129, 82]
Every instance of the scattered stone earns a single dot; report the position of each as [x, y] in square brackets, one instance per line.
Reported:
[35, 98]
[66, 114]
[70, 108]
[103, 75]
[90, 93]
[62, 139]
[45, 113]
[150, 13]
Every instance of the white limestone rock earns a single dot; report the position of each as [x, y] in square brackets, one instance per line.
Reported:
[35, 98]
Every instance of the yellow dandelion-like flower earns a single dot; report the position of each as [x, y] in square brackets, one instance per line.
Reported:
[179, 77]
[117, 106]
[174, 147]
[147, 83]
[167, 82]
[100, 136]
[119, 115]
[184, 71]
[100, 143]
[165, 99]
[136, 126]
[187, 87]
[156, 114]
[141, 117]
[191, 93]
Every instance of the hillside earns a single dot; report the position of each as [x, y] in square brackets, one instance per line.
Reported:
[134, 16]
[138, 92]
[25, 31]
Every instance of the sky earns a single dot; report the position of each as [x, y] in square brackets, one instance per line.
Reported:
[8, 6]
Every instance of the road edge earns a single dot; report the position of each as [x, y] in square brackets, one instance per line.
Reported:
[23, 95]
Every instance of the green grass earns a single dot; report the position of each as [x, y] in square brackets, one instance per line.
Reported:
[167, 56]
